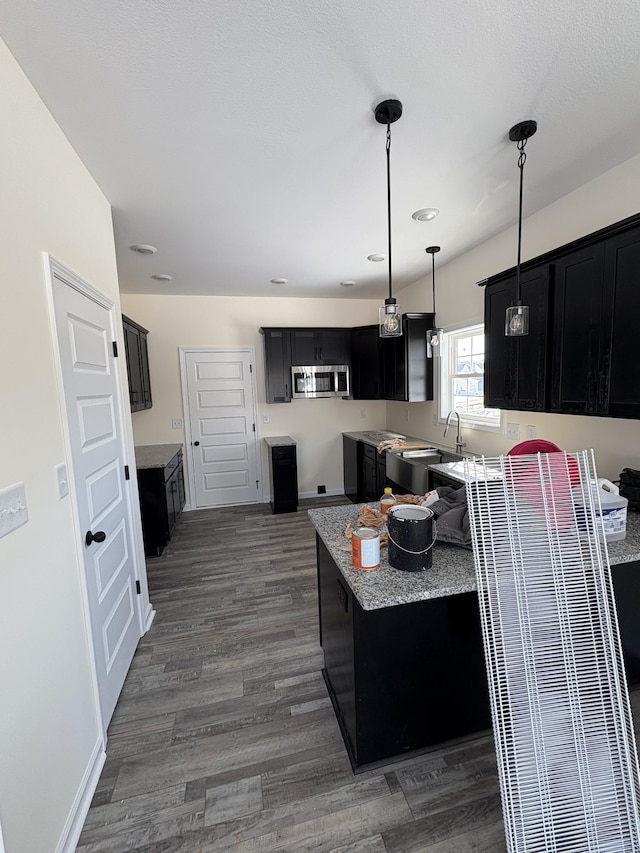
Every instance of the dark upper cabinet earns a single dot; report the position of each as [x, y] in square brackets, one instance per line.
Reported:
[366, 364]
[622, 318]
[585, 307]
[277, 357]
[516, 369]
[407, 373]
[579, 336]
[137, 355]
[320, 346]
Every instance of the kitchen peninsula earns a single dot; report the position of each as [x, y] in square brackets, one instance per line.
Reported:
[404, 663]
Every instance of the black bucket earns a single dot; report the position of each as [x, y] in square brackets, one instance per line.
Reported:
[411, 537]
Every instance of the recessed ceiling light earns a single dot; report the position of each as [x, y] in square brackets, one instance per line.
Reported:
[142, 249]
[376, 258]
[279, 280]
[347, 283]
[162, 276]
[425, 214]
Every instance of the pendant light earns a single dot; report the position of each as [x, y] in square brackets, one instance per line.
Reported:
[517, 316]
[434, 336]
[387, 112]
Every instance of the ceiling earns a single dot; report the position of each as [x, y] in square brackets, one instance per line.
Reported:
[238, 136]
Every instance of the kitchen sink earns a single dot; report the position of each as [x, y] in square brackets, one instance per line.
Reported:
[410, 469]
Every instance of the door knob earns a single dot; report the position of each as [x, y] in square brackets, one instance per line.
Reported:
[196, 444]
[98, 536]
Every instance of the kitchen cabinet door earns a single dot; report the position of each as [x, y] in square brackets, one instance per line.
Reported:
[516, 369]
[621, 321]
[407, 372]
[277, 363]
[320, 346]
[366, 365]
[162, 497]
[370, 474]
[137, 356]
[580, 348]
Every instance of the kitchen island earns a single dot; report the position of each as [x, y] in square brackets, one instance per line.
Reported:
[404, 661]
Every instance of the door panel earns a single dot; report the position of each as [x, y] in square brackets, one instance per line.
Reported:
[85, 332]
[220, 396]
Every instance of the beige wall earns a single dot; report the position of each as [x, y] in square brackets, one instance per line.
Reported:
[316, 425]
[48, 726]
[611, 197]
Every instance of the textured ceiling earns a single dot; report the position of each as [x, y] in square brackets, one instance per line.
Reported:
[238, 136]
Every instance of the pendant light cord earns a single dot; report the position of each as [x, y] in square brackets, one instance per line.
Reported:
[522, 159]
[389, 202]
[433, 284]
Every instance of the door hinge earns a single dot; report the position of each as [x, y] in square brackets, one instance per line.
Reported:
[138, 590]
[115, 349]
[126, 472]
[250, 368]
[254, 427]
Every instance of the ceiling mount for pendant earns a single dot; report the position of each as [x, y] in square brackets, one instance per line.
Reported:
[387, 112]
[523, 130]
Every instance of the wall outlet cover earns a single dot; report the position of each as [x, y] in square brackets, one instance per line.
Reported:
[532, 431]
[62, 480]
[513, 431]
[176, 423]
[13, 508]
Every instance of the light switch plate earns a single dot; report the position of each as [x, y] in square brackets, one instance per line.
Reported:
[62, 480]
[532, 431]
[176, 423]
[513, 431]
[13, 508]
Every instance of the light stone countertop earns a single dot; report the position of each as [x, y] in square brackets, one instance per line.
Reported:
[155, 455]
[452, 571]
[279, 440]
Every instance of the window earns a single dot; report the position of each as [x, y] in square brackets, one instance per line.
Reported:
[462, 379]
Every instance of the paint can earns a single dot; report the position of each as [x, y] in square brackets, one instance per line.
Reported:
[365, 548]
[411, 537]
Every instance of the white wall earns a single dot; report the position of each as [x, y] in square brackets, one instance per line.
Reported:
[316, 425]
[609, 198]
[48, 726]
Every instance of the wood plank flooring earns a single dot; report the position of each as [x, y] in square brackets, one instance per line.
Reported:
[224, 737]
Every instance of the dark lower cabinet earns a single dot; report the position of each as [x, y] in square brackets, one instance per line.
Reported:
[400, 678]
[626, 589]
[351, 467]
[162, 497]
[283, 477]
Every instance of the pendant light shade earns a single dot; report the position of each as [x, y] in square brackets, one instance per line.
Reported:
[434, 335]
[517, 317]
[387, 112]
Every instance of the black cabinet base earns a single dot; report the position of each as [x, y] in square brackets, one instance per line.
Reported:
[284, 478]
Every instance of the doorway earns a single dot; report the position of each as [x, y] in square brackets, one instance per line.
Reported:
[220, 407]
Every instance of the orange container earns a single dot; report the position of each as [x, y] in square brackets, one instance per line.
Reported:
[365, 548]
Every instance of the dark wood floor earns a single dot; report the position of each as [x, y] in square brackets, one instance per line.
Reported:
[224, 737]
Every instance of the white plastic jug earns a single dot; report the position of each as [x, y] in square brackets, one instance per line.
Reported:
[614, 510]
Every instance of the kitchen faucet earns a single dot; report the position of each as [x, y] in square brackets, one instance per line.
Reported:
[459, 442]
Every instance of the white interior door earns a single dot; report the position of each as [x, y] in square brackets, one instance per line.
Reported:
[85, 331]
[222, 425]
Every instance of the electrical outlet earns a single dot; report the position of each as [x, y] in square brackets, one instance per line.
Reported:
[513, 431]
[363, 413]
[265, 419]
[62, 480]
[176, 423]
[532, 431]
[13, 508]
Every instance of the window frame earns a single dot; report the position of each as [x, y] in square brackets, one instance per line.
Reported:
[444, 375]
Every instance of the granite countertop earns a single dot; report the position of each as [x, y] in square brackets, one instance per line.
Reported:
[279, 440]
[373, 437]
[155, 455]
[452, 571]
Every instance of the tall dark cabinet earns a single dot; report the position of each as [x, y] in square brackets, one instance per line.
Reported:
[407, 373]
[137, 355]
[277, 357]
[283, 472]
[162, 493]
[366, 363]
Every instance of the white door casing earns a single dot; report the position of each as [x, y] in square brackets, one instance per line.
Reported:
[220, 410]
[92, 392]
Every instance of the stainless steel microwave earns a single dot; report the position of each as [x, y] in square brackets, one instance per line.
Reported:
[320, 380]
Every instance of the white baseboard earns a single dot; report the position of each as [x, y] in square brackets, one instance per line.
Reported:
[78, 813]
[148, 618]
